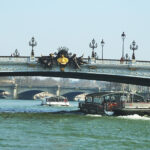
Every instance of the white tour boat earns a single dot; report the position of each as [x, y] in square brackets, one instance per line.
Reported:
[55, 101]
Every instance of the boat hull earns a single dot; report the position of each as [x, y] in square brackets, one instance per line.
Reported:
[127, 111]
[56, 103]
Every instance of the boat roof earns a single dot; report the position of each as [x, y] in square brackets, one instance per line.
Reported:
[55, 96]
[98, 94]
[109, 93]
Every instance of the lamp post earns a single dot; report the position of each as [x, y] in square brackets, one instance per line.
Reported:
[127, 57]
[16, 53]
[123, 38]
[133, 47]
[93, 45]
[102, 44]
[32, 43]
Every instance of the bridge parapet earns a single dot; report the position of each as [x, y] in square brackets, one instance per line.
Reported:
[107, 63]
[14, 60]
[26, 59]
[118, 62]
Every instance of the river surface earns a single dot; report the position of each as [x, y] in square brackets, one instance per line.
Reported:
[26, 125]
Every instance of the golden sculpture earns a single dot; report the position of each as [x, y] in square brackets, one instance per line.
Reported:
[63, 60]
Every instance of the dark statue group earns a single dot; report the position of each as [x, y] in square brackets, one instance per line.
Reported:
[52, 60]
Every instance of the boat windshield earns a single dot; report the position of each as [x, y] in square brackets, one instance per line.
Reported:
[89, 99]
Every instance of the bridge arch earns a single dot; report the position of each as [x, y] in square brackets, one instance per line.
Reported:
[4, 93]
[29, 94]
[71, 95]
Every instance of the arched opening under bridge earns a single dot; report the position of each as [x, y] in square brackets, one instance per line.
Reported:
[33, 94]
[71, 95]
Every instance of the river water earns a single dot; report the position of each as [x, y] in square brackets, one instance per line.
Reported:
[26, 125]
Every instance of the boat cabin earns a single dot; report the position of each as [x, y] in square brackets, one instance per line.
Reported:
[55, 101]
[109, 101]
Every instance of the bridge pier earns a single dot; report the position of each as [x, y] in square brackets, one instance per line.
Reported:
[58, 91]
[15, 91]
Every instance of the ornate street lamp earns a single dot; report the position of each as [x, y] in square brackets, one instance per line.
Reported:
[123, 38]
[32, 43]
[127, 57]
[102, 44]
[133, 47]
[93, 45]
[16, 53]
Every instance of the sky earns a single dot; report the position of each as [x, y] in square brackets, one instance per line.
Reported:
[74, 23]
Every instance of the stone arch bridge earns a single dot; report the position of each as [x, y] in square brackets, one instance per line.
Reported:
[27, 92]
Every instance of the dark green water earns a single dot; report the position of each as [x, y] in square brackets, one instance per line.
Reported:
[25, 125]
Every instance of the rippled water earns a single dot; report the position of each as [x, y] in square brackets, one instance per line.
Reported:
[25, 125]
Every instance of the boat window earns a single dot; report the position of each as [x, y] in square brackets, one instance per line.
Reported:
[137, 98]
[115, 97]
[123, 98]
[98, 100]
[89, 99]
[112, 97]
[48, 99]
[107, 98]
[53, 99]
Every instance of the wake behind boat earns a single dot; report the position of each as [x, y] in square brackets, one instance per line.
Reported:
[55, 101]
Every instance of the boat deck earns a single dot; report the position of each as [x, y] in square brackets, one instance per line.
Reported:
[139, 105]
